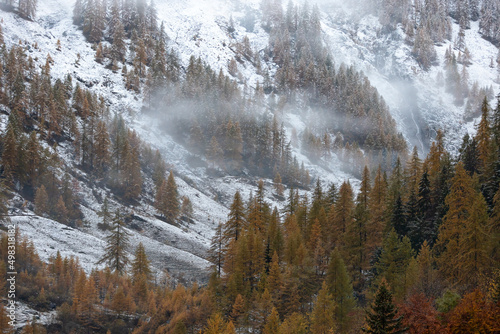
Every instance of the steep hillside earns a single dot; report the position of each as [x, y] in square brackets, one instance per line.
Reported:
[299, 97]
[417, 102]
[179, 249]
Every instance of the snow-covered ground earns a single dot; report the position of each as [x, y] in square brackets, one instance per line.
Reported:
[418, 103]
[196, 28]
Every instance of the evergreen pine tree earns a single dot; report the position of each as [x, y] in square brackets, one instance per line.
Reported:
[383, 317]
[427, 230]
[356, 248]
[469, 154]
[398, 219]
[393, 262]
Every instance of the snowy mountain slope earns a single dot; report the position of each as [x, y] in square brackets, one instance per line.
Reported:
[418, 104]
[54, 23]
[179, 249]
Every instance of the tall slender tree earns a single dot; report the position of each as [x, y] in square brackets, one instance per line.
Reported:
[115, 255]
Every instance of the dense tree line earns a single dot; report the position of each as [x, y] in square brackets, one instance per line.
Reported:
[428, 231]
[44, 113]
[220, 116]
[351, 111]
[429, 22]
[417, 249]
[417, 246]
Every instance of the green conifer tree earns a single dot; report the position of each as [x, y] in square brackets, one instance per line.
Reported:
[383, 317]
[340, 287]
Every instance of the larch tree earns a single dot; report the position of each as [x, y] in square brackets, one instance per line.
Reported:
[234, 146]
[377, 208]
[3, 202]
[494, 230]
[272, 323]
[141, 266]
[427, 280]
[217, 248]
[101, 147]
[473, 258]
[296, 323]
[215, 324]
[4, 320]
[215, 153]
[413, 170]
[460, 201]
[87, 311]
[343, 213]
[172, 204]
[420, 316]
[483, 135]
[356, 251]
[323, 313]
[160, 196]
[105, 214]
[238, 309]
[115, 256]
[339, 286]
[140, 60]
[27, 8]
[186, 207]
[167, 199]
[275, 279]
[131, 178]
[236, 218]
[278, 186]
[118, 48]
[41, 201]
[474, 314]
[60, 211]
[10, 146]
